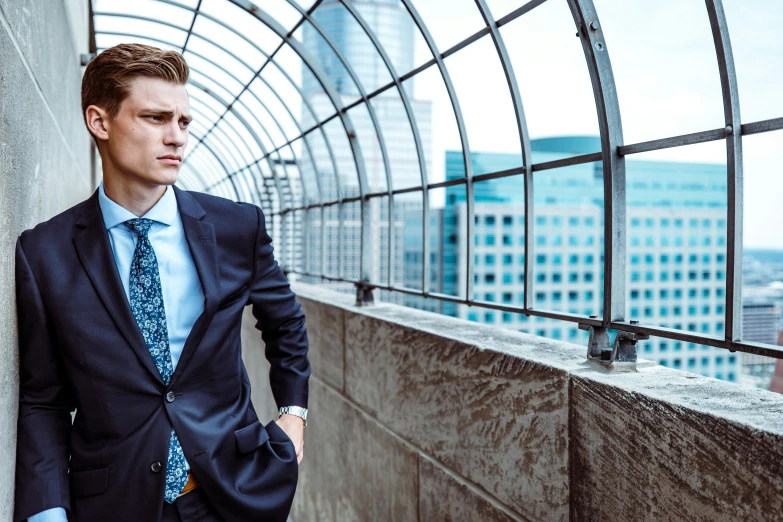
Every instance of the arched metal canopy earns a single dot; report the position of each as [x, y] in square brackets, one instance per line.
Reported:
[251, 146]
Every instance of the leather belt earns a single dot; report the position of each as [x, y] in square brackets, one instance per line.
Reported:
[190, 485]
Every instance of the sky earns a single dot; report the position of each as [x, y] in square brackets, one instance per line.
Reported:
[663, 60]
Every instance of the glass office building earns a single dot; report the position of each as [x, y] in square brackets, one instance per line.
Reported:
[676, 253]
[336, 168]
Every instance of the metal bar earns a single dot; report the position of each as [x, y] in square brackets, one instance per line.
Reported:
[524, 138]
[190, 29]
[463, 135]
[762, 126]
[676, 141]
[419, 151]
[731, 112]
[605, 92]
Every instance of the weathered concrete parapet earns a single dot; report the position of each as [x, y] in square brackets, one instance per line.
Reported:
[417, 416]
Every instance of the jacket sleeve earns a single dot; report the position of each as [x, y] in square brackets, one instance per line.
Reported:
[45, 403]
[282, 324]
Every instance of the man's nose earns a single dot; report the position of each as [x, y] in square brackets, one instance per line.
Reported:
[175, 135]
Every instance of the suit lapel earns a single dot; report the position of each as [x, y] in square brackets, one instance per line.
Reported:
[200, 236]
[95, 253]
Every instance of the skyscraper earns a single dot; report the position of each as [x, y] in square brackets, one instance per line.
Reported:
[676, 253]
[394, 29]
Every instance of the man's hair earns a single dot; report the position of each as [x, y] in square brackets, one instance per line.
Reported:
[107, 78]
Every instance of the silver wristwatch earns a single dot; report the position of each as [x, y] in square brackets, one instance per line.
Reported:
[295, 410]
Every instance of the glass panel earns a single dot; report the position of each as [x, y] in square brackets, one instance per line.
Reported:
[486, 104]
[170, 13]
[498, 246]
[217, 91]
[501, 8]
[559, 101]
[285, 95]
[314, 241]
[352, 239]
[283, 122]
[447, 264]
[450, 26]
[379, 209]
[246, 134]
[268, 122]
[196, 93]
[240, 21]
[104, 41]
[225, 58]
[396, 127]
[756, 41]
[329, 62]
[141, 28]
[354, 44]
[676, 252]
[282, 12]
[346, 165]
[214, 73]
[315, 163]
[408, 253]
[762, 267]
[429, 89]
[666, 86]
[371, 149]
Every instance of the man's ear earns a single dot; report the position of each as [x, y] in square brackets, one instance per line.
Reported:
[97, 122]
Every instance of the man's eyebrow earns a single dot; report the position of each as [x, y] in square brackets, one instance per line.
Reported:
[188, 118]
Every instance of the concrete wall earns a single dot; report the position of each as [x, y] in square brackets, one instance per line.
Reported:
[420, 417]
[44, 161]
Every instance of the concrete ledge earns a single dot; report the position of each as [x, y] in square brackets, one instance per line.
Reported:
[498, 425]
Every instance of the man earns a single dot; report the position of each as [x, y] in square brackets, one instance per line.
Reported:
[130, 307]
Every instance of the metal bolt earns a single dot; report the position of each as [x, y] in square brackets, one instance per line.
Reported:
[577, 34]
[729, 130]
[599, 46]
[634, 322]
[594, 25]
[606, 354]
[593, 317]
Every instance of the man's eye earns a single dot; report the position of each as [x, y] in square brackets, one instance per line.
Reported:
[154, 117]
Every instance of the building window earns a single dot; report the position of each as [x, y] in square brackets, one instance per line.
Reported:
[489, 239]
[508, 221]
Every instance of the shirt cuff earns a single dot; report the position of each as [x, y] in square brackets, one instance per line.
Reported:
[50, 515]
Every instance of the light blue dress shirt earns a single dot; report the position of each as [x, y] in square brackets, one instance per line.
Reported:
[183, 297]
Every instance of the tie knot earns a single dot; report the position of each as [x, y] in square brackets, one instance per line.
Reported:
[139, 225]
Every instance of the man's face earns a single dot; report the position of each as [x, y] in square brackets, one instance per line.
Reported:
[152, 123]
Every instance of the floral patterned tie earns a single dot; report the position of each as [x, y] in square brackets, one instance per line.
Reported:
[146, 300]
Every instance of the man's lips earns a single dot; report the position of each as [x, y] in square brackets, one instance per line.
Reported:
[171, 159]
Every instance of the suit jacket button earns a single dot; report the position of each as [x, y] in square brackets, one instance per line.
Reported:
[155, 467]
[170, 397]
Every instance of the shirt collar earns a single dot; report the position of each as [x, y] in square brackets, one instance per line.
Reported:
[164, 211]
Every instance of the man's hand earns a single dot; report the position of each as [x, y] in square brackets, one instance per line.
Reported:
[293, 426]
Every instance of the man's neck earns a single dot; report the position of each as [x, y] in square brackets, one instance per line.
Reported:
[135, 198]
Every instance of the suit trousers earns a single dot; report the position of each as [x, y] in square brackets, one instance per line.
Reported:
[193, 506]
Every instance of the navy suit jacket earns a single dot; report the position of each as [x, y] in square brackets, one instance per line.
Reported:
[80, 348]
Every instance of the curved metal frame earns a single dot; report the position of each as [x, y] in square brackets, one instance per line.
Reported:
[612, 154]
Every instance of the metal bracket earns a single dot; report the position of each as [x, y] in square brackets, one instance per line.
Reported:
[598, 342]
[622, 354]
[364, 295]
[625, 346]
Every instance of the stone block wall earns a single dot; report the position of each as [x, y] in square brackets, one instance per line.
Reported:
[420, 417]
[44, 161]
